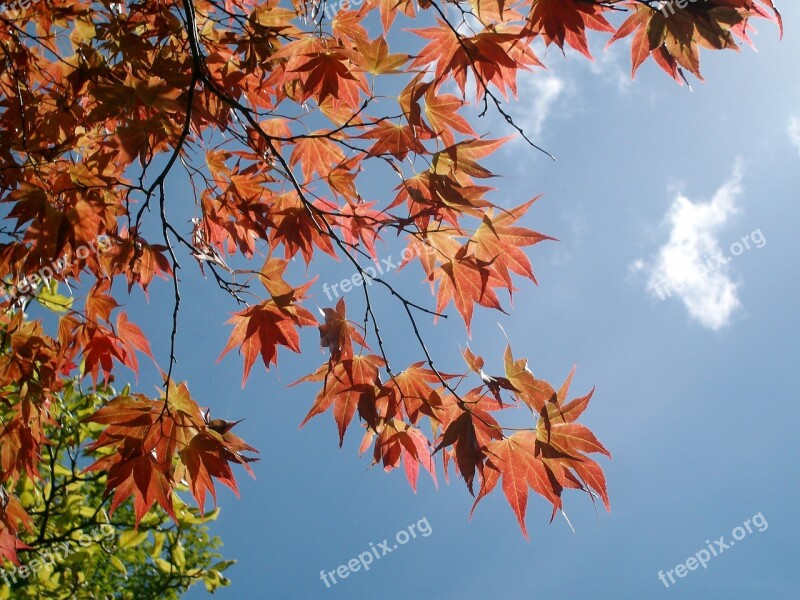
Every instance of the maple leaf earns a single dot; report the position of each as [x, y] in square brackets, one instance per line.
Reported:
[590, 475]
[395, 139]
[674, 37]
[358, 222]
[337, 333]
[557, 428]
[475, 363]
[571, 437]
[343, 387]
[148, 438]
[414, 388]
[84, 217]
[566, 21]
[441, 111]
[398, 441]
[433, 198]
[316, 154]
[271, 277]
[468, 432]
[346, 24]
[342, 179]
[494, 54]
[131, 339]
[124, 412]
[139, 476]
[331, 74]
[134, 469]
[461, 158]
[389, 9]
[100, 351]
[533, 392]
[467, 280]
[462, 436]
[297, 228]
[99, 304]
[138, 260]
[376, 58]
[494, 383]
[563, 444]
[207, 457]
[500, 241]
[514, 458]
[260, 329]
[13, 517]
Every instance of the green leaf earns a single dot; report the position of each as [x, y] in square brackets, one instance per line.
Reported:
[178, 556]
[132, 538]
[51, 299]
[164, 566]
[119, 565]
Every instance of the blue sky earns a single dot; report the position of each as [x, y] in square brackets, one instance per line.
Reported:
[697, 393]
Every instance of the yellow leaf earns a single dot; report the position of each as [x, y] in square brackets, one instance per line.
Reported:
[49, 298]
[132, 538]
[159, 538]
[85, 28]
[118, 564]
[86, 511]
[179, 556]
[163, 565]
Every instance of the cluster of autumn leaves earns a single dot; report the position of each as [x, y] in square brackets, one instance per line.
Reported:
[546, 457]
[274, 119]
[147, 448]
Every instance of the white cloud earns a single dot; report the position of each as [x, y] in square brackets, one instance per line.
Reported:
[544, 89]
[691, 265]
[794, 131]
[613, 66]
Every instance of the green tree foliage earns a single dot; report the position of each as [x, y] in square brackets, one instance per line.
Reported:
[69, 548]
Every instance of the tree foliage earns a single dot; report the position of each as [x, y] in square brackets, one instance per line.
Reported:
[69, 545]
[276, 115]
